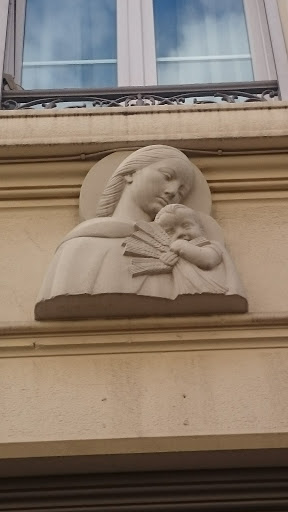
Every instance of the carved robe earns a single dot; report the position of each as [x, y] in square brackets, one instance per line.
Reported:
[90, 275]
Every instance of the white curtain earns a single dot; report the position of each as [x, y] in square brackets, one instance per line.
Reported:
[64, 38]
[201, 41]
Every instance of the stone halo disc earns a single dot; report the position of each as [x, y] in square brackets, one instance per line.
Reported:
[94, 183]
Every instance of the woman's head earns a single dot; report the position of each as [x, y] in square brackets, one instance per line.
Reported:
[153, 176]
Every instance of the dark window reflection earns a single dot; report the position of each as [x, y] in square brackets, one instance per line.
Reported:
[200, 41]
[70, 43]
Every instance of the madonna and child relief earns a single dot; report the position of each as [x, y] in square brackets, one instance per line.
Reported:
[147, 245]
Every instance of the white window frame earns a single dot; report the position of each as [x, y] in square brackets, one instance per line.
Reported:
[15, 39]
[136, 55]
[4, 7]
[259, 39]
[278, 45]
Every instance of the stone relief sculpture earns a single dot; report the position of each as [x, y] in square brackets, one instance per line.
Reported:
[147, 248]
[180, 247]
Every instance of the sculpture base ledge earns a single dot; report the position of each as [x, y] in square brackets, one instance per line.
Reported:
[68, 307]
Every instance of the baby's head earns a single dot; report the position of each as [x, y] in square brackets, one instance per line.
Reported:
[180, 222]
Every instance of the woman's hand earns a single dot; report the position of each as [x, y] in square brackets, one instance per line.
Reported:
[169, 258]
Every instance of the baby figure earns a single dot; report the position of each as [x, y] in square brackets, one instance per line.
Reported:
[187, 236]
[174, 250]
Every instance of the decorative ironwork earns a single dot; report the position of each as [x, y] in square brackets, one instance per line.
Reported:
[17, 99]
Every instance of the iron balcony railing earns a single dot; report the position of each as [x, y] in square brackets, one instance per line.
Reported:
[18, 99]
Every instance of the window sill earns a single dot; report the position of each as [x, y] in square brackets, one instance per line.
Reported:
[213, 128]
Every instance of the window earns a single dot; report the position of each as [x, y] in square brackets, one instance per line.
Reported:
[109, 43]
[70, 43]
[206, 42]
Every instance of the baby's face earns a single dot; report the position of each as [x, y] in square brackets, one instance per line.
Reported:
[181, 226]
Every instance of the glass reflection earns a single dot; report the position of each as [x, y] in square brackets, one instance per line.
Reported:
[70, 43]
[201, 41]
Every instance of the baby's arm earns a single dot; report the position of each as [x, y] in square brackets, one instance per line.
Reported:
[206, 257]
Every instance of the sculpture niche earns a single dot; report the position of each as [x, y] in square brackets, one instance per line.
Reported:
[147, 248]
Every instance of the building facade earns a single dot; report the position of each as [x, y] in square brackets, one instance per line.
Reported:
[202, 395]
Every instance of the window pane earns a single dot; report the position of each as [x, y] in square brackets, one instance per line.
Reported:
[70, 43]
[201, 41]
[45, 77]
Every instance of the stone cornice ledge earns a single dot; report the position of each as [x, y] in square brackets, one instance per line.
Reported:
[141, 445]
[224, 126]
[261, 175]
[219, 332]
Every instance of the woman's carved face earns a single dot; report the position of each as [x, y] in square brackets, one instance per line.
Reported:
[159, 184]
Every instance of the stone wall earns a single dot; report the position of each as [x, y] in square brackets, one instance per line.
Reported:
[137, 379]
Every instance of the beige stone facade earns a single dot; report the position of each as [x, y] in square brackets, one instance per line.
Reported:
[166, 385]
